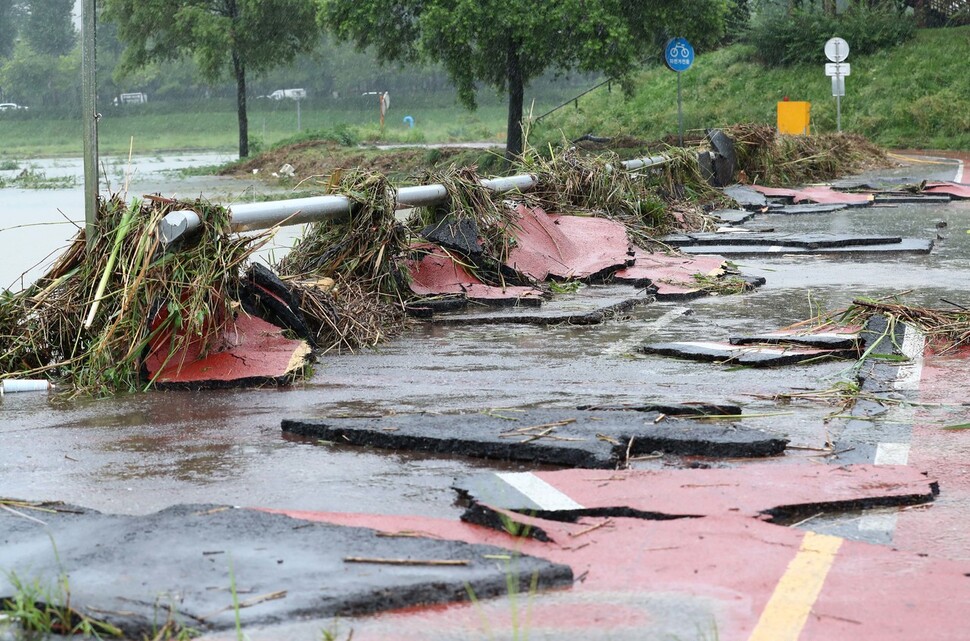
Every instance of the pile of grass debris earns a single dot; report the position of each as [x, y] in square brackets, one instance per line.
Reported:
[945, 329]
[766, 157]
[89, 321]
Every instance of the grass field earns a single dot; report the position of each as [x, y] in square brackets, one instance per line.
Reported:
[916, 95]
[32, 136]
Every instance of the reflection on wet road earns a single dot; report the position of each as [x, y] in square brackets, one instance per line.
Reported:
[139, 453]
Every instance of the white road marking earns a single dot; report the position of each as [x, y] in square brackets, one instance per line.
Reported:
[538, 491]
[891, 454]
[878, 522]
[959, 176]
[914, 343]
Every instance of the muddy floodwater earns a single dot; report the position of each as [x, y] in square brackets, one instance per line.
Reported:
[138, 453]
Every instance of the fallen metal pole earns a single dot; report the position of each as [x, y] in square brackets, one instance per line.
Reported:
[297, 211]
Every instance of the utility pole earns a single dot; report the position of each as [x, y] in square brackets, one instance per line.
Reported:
[89, 114]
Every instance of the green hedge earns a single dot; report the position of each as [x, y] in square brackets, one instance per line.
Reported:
[783, 39]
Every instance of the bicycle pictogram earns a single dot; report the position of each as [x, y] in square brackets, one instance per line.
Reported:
[679, 51]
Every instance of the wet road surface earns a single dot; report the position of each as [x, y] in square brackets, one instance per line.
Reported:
[140, 453]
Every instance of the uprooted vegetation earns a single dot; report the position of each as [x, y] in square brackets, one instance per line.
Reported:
[91, 322]
[767, 158]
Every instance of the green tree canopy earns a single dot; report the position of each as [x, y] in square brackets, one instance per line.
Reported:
[505, 44]
[233, 37]
[9, 15]
[49, 27]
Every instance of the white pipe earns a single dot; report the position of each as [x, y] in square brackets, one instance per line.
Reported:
[12, 386]
[296, 211]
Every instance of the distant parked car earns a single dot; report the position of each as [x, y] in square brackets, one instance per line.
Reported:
[10, 106]
[292, 94]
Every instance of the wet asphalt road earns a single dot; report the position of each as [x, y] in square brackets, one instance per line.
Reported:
[141, 453]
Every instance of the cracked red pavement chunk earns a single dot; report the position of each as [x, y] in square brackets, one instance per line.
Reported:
[954, 190]
[821, 195]
[673, 276]
[249, 350]
[566, 246]
[437, 273]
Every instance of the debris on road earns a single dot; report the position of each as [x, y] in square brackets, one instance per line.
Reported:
[569, 438]
[753, 243]
[776, 493]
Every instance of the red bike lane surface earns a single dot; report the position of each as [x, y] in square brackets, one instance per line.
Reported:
[724, 577]
[941, 528]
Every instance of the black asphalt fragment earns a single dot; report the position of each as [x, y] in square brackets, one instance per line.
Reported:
[808, 209]
[732, 216]
[753, 243]
[746, 197]
[183, 564]
[821, 340]
[745, 355]
[546, 316]
[906, 198]
[804, 241]
[565, 438]
[670, 409]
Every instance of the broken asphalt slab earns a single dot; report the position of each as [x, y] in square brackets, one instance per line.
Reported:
[781, 493]
[436, 273]
[822, 195]
[565, 438]
[754, 243]
[591, 305]
[249, 352]
[183, 564]
[679, 277]
[745, 354]
[566, 247]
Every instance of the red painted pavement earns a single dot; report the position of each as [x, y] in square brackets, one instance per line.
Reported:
[956, 190]
[820, 195]
[942, 529]
[566, 246]
[437, 273]
[248, 350]
[673, 276]
[700, 578]
[749, 490]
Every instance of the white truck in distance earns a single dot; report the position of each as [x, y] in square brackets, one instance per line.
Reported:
[292, 94]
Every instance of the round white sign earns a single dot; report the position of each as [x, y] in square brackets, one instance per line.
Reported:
[836, 49]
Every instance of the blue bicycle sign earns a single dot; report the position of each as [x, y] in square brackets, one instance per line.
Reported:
[678, 54]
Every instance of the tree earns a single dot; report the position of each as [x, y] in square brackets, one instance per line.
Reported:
[8, 27]
[49, 27]
[507, 43]
[223, 36]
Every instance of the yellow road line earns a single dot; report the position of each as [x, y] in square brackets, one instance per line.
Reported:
[923, 161]
[790, 604]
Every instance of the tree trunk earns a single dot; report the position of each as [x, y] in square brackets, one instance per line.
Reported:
[513, 71]
[240, 70]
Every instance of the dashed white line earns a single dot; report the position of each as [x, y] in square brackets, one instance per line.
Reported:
[914, 343]
[538, 491]
[878, 522]
[891, 454]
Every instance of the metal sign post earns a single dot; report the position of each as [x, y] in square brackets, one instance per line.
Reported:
[89, 126]
[837, 50]
[679, 56]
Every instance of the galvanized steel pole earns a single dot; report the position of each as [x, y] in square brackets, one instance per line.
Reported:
[297, 211]
[89, 114]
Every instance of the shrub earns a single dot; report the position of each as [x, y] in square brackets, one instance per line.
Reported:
[781, 39]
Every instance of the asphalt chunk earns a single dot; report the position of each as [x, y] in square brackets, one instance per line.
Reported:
[183, 563]
[565, 438]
